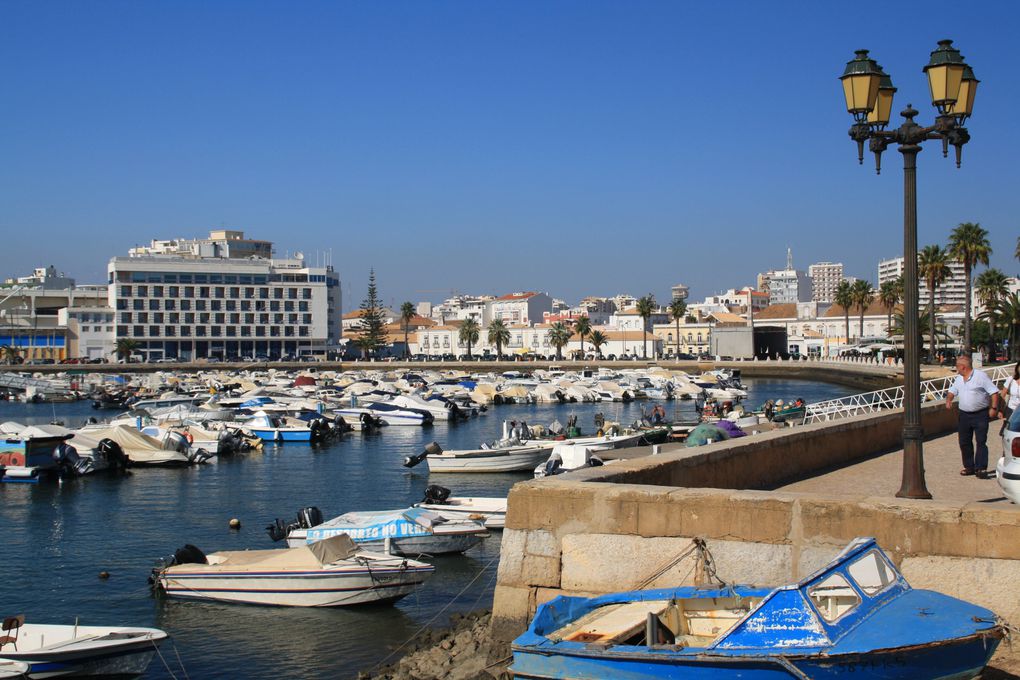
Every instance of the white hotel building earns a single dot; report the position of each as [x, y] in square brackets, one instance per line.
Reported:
[223, 297]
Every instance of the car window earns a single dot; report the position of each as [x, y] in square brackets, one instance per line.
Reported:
[834, 597]
[872, 573]
[1014, 421]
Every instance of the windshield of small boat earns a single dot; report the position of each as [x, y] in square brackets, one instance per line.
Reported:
[834, 597]
[872, 573]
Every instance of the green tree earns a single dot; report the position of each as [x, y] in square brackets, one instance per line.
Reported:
[1007, 315]
[125, 347]
[559, 336]
[469, 333]
[406, 314]
[924, 317]
[844, 297]
[968, 243]
[498, 335]
[991, 286]
[888, 297]
[678, 310]
[582, 327]
[598, 338]
[863, 295]
[645, 308]
[933, 267]
[371, 336]
[1016, 253]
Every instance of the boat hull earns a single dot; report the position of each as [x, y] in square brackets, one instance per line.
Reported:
[494, 460]
[297, 589]
[958, 659]
[91, 656]
[280, 435]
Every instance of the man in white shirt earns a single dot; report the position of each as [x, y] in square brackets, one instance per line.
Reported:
[979, 399]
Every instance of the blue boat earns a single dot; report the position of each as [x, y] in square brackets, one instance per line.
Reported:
[856, 617]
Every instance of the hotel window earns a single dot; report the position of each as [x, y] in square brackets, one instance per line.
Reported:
[249, 293]
[153, 305]
[169, 331]
[125, 317]
[263, 318]
[245, 331]
[143, 291]
[200, 331]
[303, 331]
[174, 291]
[699, 338]
[245, 305]
[189, 317]
[185, 331]
[263, 293]
[288, 306]
[122, 304]
[249, 318]
[122, 331]
[189, 291]
[139, 331]
[292, 318]
[231, 305]
[219, 292]
[157, 291]
[289, 331]
[235, 292]
[306, 318]
[274, 306]
[174, 317]
[446, 341]
[125, 291]
[274, 331]
[302, 306]
[292, 293]
[169, 304]
[278, 293]
[203, 318]
[306, 293]
[235, 318]
[143, 318]
[215, 305]
[220, 317]
[185, 305]
[157, 317]
[138, 305]
[203, 292]
[277, 318]
[215, 331]
[153, 331]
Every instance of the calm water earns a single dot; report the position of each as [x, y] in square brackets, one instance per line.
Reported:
[58, 537]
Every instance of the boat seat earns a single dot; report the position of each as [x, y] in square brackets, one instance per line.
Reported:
[11, 623]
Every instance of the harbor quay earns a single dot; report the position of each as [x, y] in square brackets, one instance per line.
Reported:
[771, 509]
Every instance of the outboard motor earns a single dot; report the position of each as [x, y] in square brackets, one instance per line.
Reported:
[175, 441]
[71, 464]
[434, 449]
[317, 434]
[226, 443]
[554, 465]
[436, 495]
[309, 517]
[189, 554]
[115, 456]
[340, 425]
[278, 530]
[199, 456]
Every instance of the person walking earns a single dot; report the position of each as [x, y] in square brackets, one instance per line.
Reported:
[978, 404]
[1010, 394]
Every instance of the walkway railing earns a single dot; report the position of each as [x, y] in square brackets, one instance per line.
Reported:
[880, 400]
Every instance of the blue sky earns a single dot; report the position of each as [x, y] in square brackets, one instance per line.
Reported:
[575, 147]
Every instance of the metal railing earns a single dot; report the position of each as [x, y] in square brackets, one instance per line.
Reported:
[880, 400]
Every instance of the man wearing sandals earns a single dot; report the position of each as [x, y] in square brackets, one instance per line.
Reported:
[979, 398]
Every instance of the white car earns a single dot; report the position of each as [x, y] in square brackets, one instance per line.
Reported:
[1008, 469]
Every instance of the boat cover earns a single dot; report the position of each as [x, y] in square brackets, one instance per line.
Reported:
[128, 437]
[333, 549]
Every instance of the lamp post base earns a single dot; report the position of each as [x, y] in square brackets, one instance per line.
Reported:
[913, 485]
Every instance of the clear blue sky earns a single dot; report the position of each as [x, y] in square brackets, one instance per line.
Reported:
[575, 147]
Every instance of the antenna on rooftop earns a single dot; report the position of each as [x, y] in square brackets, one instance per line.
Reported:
[789, 258]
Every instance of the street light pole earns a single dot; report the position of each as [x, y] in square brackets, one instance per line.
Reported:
[869, 93]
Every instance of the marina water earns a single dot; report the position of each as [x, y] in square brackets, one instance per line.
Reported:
[59, 537]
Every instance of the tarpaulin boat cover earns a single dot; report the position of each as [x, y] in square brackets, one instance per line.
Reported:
[333, 549]
[128, 437]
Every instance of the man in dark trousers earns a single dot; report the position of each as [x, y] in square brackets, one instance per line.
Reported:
[979, 400]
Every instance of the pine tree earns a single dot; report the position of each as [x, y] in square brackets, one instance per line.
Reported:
[371, 336]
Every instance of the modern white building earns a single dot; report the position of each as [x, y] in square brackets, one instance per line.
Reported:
[89, 331]
[786, 285]
[520, 308]
[951, 292]
[196, 299]
[825, 278]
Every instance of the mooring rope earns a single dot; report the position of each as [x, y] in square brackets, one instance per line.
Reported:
[165, 664]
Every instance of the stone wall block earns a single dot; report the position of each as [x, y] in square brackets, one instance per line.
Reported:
[511, 611]
[511, 557]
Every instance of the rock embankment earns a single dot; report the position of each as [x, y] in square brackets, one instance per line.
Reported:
[464, 651]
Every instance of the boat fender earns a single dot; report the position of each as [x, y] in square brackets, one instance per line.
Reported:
[309, 517]
[432, 449]
[189, 554]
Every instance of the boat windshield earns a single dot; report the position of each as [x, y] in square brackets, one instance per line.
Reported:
[834, 597]
[872, 573]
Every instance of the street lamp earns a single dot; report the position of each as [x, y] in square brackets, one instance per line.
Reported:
[869, 92]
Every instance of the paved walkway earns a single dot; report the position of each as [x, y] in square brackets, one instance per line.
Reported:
[880, 476]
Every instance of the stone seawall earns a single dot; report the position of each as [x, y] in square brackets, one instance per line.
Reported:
[611, 528]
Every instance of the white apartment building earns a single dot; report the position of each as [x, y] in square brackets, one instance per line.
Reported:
[952, 292]
[520, 308]
[825, 278]
[461, 307]
[197, 299]
[89, 331]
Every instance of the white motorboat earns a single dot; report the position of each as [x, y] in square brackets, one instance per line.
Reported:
[439, 408]
[329, 573]
[391, 415]
[140, 449]
[491, 511]
[412, 531]
[571, 456]
[55, 651]
[514, 458]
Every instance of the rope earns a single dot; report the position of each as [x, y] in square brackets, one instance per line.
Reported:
[428, 623]
[179, 661]
[165, 664]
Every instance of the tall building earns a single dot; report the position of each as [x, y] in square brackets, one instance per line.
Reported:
[953, 291]
[787, 285]
[825, 278]
[223, 297]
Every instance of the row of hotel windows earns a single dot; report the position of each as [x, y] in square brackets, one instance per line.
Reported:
[214, 291]
[213, 305]
[228, 279]
[213, 331]
[217, 318]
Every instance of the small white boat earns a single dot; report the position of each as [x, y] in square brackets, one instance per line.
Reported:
[329, 573]
[53, 651]
[570, 456]
[490, 511]
[140, 449]
[391, 415]
[412, 531]
[518, 458]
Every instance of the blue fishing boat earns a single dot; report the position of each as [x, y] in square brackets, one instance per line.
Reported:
[857, 615]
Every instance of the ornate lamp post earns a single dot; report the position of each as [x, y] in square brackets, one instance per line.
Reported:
[869, 95]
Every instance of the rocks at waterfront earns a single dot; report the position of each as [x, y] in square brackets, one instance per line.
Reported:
[464, 651]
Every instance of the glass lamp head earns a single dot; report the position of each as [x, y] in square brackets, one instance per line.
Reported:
[945, 75]
[861, 79]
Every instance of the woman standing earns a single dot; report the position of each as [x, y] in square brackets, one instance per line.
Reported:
[1010, 394]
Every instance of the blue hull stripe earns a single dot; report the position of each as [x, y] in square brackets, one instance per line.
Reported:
[293, 590]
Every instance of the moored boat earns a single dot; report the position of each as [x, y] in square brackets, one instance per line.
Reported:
[514, 458]
[855, 615]
[491, 511]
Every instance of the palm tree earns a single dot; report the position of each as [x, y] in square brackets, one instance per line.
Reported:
[645, 308]
[933, 266]
[559, 336]
[844, 297]
[678, 310]
[126, 347]
[888, 297]
[863, 295]
[924, 318]
[582, 327]
[598, 338]
[991, 286]
[1007, 313]
[468, 333]
[1016, 253]
[11, 354]
[499, 335]
[968, 243]
[406, 314]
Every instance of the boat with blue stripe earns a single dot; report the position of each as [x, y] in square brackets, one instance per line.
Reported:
[857, 615]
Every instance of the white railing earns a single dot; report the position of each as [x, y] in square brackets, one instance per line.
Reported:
[880, 400]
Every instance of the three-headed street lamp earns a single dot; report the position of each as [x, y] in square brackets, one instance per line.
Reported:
[869, 95]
